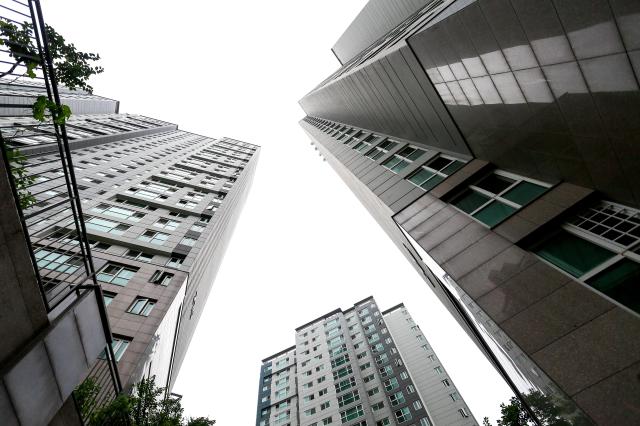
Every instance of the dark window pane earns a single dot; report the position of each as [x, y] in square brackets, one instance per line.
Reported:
[470, 201]
[494, 213]
[621, 282]
[431, 183]
[398, 167]
[495, 183]
[451, 168]
[524, 192]
[420, 176]
[573, 254]
[439, 163]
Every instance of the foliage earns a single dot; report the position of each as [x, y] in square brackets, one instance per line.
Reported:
[548, 411]
[85, 395]
[20, 46]
[21, 179]
[72, 67]
[146, 406]
[59, 113]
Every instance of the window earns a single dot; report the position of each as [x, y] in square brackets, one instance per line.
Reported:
[600, 246]
[377, 406]
[141, 306]
[385, 371]
[154, 237]
[119, 346]
[327, 420]
[463, 413]
[342, 372]
[168, 224]
[322, 392]
[435, 171]
[310, 411]
[403, 158]
[373, 391]
[188, 241]
[410, 389]
[438, 370]
[138, 255]
[345, 384]
[363, 144]
[425, 422]
[365, 366]
[325, 405]
[58, 261]
[382, 149]
[342, 359]
[104, 225]
[368, 378]
[161, 278]
[175, 261]
[321, 379]
[108, 297]
[351, 413]
[391, 384]
[417, 405]
[116, 274]
[454, 396]
[397, 398]
[119, 212]
[383, 422]
[498, 196]
[403, 414]
[446, 383]
[348, 398]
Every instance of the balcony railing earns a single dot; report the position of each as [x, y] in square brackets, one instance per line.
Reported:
[40, 168]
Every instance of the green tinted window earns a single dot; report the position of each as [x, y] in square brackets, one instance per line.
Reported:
[524, 192]
[621, 282]
[470, 201]
[436, 179]
[494, 213]
[573, 254]
[419, 177]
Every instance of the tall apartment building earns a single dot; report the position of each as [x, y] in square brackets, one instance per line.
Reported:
[495, 141]
[359, 367]
[112, 230]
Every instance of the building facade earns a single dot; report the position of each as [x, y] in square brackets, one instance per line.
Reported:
[112, 230]
[495, 142]
[361, 366]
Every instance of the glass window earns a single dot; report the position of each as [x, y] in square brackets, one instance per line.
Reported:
[601, 247]
[498, 196]
[397, 398]
[108, 297]
[403, 414]
[104, 225]
[119, 346]
[58, 261]
[351, 413]
[141, 306]
[435, 171]
[381, 150]
[403, 158]
[116, 274]
[154, 237]
[168, 224]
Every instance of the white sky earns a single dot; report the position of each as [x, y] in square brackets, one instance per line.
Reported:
[304, 244]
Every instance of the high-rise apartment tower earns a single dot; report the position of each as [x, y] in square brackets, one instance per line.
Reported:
[496, 142]
[112, 230]
[359, 367]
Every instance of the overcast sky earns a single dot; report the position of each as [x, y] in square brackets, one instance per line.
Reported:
[304, 244]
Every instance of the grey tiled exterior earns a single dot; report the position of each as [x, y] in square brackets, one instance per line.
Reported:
[546, 90]
[359, 367]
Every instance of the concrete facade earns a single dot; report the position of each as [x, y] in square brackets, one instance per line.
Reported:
[538, 94]
[359, 367]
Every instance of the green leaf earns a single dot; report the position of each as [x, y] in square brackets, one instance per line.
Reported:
[39, 108]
